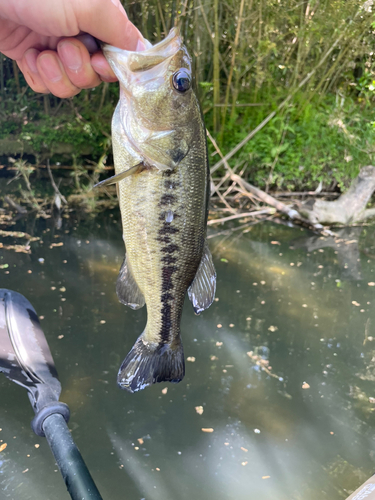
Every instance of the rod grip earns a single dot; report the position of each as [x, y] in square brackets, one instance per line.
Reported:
[73, 469]
[48, 410]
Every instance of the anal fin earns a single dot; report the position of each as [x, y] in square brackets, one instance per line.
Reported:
[202, 291]
[127, 290]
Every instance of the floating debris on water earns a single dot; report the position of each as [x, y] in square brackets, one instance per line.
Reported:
[199, 410]
[207, 429]
[191, 359]
[305, 385]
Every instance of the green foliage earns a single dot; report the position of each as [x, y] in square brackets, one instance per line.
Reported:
[246, 53]
[324, 142]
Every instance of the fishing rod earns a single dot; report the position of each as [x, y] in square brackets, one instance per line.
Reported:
[26, 359]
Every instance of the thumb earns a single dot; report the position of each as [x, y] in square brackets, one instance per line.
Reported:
[107, 21]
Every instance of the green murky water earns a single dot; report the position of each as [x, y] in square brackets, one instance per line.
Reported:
[283, 365]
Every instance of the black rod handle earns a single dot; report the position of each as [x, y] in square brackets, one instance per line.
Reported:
[73, 469]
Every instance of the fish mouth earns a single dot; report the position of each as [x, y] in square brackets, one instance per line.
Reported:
[146, 59]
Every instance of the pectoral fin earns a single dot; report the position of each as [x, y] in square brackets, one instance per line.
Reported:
[202, 291]
[117, 178]
[127, 290]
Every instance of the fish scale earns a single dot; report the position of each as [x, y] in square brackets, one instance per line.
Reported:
[152, 249]
[161, 166]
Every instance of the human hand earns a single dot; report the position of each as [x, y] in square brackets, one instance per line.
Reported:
[53, 42]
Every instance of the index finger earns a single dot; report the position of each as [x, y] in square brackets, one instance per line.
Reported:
[108, 22]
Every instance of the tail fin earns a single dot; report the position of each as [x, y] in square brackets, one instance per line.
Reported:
[147, 364]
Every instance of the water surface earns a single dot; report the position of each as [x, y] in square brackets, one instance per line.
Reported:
[282, 364]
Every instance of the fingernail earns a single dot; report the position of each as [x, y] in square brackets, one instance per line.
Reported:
[30, 58]
[70, 55]
[50, 67]
[117, 3]
[140, 46]
[120, 7]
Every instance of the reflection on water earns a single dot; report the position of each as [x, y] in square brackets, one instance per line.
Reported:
[282, 364]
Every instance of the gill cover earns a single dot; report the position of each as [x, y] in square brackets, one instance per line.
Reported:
[152, 118]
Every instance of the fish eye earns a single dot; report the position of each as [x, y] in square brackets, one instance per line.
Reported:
[181, 80]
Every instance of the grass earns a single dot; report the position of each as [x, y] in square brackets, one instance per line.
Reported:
[246, 53]
[328, 141]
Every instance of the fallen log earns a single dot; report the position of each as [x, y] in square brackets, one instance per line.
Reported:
[349, 208]
[281, 207]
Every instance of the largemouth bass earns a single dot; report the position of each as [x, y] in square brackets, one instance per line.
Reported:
[161, 166]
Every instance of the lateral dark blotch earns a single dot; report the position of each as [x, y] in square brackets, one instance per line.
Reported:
[167, 285]
[166, 323]
[168, 259]
[166, 199]
[176, 154]
[171, 184]
[168, 229]
[168, 173]
[170, 248]
[166, 296]
[167, 272]
[163, 239]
